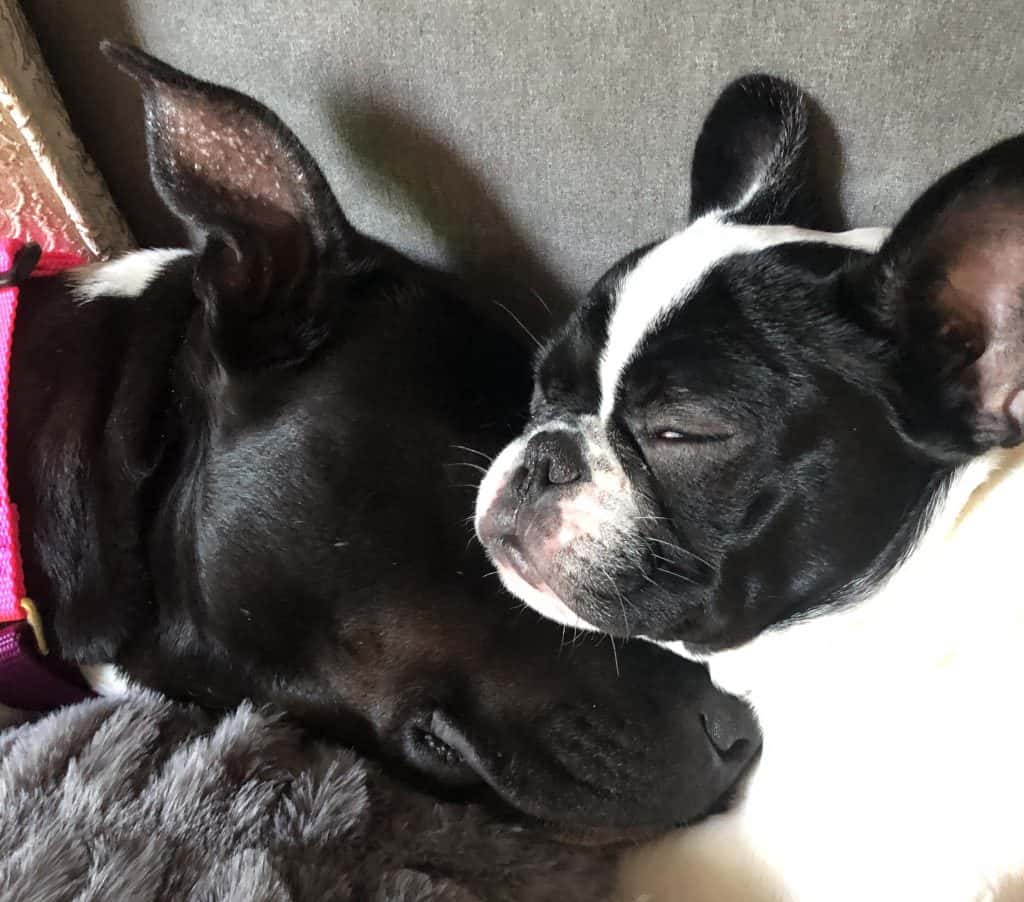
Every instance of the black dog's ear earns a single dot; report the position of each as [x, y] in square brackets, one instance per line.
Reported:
[751, 160]
[948, 285]
[268, 231]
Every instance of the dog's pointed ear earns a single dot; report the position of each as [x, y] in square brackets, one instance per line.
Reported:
[751, 161]
[267, 230]
[948, 287]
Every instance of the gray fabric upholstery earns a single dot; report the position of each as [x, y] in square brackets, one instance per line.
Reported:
[541, 139]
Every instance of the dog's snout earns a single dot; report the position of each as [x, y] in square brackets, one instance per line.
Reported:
[552, 458]
[732, 728]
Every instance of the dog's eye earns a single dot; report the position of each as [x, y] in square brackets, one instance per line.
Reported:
[433, 748]
[440, 749]
[690, 436]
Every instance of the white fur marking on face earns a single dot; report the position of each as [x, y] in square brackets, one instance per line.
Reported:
[108, 680]
[663, 279]
[123, 277]
[497, 475]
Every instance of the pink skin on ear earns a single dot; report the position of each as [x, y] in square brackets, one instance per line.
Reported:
[984, 286]
[1015, 408]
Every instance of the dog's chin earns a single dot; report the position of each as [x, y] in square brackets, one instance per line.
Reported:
[535, 592]
[542, 599]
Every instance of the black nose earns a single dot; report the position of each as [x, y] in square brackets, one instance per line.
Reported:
[732, 728]
[551, 458]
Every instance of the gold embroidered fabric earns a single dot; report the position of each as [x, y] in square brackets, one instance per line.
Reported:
[50, 190]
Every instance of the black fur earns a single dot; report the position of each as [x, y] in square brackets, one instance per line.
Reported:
[254, 479]
[816, 400]
[755, 135]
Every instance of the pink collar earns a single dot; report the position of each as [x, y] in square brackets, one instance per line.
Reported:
[29, 677]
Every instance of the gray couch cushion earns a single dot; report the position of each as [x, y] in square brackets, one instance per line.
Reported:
[542, 139]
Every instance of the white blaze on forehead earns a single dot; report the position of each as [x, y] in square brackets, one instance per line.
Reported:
[664, 278]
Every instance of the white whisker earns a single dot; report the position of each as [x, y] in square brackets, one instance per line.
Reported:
[677, 575]
[681, 550]
[542, 302]
[622, 601]
[486, 457]
[521, 324]
[466, 463]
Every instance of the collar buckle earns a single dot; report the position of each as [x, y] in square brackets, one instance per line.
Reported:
[25, 260]
[36, 622]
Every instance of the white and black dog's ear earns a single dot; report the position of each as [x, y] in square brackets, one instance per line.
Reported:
[948, 286]
[751, 161]
[262, 218]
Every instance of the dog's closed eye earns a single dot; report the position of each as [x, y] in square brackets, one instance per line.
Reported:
[431, 746]
[439, 748]
[692, 436]
[684, 420]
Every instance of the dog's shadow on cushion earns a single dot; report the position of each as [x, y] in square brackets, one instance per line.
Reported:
[410, 168]
[827, 164]
[413, 169]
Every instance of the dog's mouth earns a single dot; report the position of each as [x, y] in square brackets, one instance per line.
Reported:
[734, 794]
[620, 836]
[509, 555]
[523, 579]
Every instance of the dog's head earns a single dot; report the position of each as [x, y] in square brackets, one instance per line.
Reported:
[330, 403]
[749, 420]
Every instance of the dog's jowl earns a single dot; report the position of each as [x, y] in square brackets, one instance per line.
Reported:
[797, 454]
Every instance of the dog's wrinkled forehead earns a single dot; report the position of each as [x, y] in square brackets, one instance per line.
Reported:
[639, 297]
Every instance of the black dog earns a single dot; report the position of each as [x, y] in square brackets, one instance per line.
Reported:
[242, 472]
[779, 450]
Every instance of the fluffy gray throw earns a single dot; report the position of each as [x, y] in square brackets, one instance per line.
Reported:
[143, 799]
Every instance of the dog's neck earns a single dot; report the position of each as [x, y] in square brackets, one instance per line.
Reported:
[90, 419]
[941, 607]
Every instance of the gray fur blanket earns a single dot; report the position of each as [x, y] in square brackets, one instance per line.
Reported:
[143, 799]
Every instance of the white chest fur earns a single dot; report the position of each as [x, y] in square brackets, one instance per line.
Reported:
[893, 766]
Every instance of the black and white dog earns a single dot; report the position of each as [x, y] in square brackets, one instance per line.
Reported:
[243, 471]
[797, 455]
